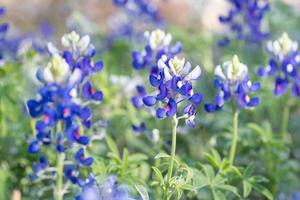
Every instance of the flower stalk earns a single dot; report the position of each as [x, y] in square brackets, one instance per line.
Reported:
[172, 158]
[285, 121]
[234, 136]
[59, 176]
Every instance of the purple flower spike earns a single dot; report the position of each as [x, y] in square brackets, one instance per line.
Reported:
[233, 83]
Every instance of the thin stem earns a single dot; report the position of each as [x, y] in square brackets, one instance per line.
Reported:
[59, 176]
[234, 136]
[173, 150]
[285, 121]
[59, 193]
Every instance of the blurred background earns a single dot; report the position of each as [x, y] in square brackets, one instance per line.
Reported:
[193, 22]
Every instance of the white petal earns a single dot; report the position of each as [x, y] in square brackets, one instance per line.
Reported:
[83, 42]
[186, 69]
[75, 76]
[65, 41]
[47, 75]
[161, 64]
[52, 49]
[167, 74]
[219, 72]
[167, 39]
[193, 75]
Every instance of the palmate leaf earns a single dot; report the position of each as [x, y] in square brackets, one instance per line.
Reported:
[253, 182]
[215, 182]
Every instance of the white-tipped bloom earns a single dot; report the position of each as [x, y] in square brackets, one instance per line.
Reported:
[282, 47]
[232, 70]
[158, 38]
[73, 40]
[56, 70]
[178, 67]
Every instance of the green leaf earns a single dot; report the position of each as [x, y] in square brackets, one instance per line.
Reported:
[112, 145]
[137, 158]
[162, 155]
[247, 187]
[249, 170]
[262, 190]
[158, 174]
[186, 187]
[229, 188]
[142, 191]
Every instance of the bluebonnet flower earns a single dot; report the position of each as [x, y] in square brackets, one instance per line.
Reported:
[283, 65]
[109, 190]
[233, 83]
[172, 78]
[158, 44]
[245, 20]
[61, 110]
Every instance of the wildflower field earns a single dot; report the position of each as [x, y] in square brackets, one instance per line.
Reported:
[150, 100]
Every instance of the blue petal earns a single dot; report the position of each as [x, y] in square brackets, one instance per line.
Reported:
[210, 108]
[253, 102]
[281, 86]
[171, 108]
[98, 66]
[255, 87]
[160, 113]
[149, 100]
[196, 98]
[34, 147]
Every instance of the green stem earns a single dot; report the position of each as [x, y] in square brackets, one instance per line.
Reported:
[59, 176]
[234, 136]
[59, 194]
[285, 121]
[173, 150]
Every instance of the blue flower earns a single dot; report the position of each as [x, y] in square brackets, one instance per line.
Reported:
[81, 159]
[172, 78]
[233, 83]
[158, 44]
[109, 190]
[62, 110]
[39, 168]
[283, 65]
[139, 128]
[245, 20]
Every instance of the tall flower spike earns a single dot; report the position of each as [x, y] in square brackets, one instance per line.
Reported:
[61, 111]
[245, 20]
[173, 81]
[284, 63]
[233, 83]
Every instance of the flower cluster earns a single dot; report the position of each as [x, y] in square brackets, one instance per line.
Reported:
[133, 18]
[109, 190]
[3, 31]
[245, 20]
[158, 44]
[172, 78]
[233, 83]
[61, 111]
[283, 65]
